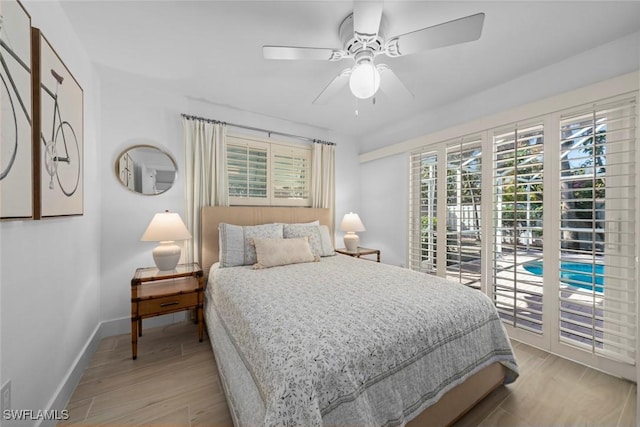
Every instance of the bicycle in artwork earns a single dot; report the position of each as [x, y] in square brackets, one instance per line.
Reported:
[60, 144]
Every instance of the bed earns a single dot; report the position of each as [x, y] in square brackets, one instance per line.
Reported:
[345, 341]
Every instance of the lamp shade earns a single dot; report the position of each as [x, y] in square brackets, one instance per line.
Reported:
[351, 223]
[166, 226]
[365, 80]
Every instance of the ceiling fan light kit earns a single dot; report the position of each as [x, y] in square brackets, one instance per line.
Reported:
[362, 35]
[364, 81]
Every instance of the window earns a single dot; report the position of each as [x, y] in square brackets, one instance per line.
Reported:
[247, 173]
[291, 175]
[268, 173]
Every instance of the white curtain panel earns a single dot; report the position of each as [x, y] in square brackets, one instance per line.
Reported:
[323, 194]
[205, 174]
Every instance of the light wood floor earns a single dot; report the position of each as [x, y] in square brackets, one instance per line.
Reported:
[175, 382]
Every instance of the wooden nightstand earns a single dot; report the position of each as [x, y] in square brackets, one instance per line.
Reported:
[359, 252]
[155, 292]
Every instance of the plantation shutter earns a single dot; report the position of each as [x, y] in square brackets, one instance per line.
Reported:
[247, 170]
[291, 176]
[598, 185]
[268, 173]
[464, 196]
[517, 231]
[423, 211]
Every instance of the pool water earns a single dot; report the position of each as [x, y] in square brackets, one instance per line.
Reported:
[576, 274]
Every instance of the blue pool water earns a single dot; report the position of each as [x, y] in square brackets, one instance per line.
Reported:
[576, 274]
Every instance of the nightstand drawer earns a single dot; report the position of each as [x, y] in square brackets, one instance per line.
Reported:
[167, 304]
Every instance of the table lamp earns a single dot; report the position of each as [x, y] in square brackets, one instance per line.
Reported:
[166, 228]
[351, 224]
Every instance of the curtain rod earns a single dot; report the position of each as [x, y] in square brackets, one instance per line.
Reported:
[267, 131]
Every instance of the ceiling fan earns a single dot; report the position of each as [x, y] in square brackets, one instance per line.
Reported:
[363, 38]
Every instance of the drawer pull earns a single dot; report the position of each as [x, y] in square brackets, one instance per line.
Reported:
[167, 304]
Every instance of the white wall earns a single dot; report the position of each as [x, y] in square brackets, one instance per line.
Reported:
[384, 207]
[132, 114]
[142, 111]
[49, 279]
[616, 58]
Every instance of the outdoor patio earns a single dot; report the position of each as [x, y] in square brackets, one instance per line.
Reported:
[581, 310]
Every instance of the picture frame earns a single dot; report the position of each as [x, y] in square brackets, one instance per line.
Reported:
[58, 138]
[16, 112]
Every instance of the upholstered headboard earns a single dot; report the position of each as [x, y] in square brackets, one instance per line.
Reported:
[212, 216]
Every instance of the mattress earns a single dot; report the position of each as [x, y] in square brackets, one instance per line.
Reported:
[346, 341]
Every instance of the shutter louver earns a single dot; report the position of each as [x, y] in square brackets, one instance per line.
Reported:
[291, 176]
[517, 231]
[247, 173]
[423, 212]
[464, 196]
[268, 173]
[598, 179]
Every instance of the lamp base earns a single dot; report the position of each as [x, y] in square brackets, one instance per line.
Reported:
[166, 256]
[351, 241]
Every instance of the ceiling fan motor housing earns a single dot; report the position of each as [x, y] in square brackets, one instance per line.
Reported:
[353, 43]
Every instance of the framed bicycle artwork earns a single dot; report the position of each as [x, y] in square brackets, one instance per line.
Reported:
[58, 119]
[16, 155]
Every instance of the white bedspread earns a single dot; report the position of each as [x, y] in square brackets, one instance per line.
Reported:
[347, 341]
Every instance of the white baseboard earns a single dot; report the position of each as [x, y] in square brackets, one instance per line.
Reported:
[106, 328]
[71, 380]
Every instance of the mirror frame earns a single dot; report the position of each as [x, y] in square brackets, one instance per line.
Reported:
[133, 147]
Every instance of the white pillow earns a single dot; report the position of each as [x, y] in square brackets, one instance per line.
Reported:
[319, 237]
[235, 248]
[274, 252]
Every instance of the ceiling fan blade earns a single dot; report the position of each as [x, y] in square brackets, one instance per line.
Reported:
[392, 86]
[449, 33]
[366, 19]
[335, 86]
[311, 53]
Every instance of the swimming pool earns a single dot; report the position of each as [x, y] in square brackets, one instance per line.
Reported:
[576, 274]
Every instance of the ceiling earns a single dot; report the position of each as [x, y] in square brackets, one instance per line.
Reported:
[212, 50]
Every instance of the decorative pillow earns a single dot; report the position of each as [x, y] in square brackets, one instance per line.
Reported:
[274, 252]
[319, 237]
[235, 248]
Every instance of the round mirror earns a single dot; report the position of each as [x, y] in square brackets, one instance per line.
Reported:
[146, 169]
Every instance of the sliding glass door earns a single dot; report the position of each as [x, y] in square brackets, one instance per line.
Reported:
[452, 228]
[517, 255]
[597, 274]
[541, 215]
[464, 213]
[423, 222]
